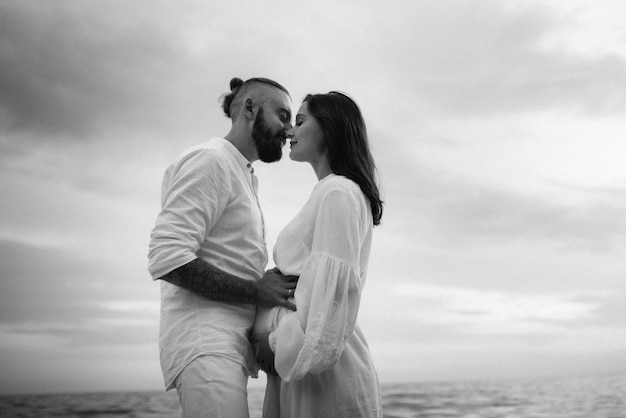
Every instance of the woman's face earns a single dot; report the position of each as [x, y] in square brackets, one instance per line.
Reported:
[307, 139]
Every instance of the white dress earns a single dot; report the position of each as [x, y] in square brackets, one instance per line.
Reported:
[322, 357]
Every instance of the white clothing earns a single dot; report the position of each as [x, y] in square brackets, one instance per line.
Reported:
[209, 211]
[321, 354]
[213, 387]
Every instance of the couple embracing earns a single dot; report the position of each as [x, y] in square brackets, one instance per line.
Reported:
[222, 315]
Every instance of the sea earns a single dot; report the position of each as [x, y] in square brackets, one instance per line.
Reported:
[571, 397]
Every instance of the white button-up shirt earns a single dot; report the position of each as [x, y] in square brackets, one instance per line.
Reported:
[209, 210]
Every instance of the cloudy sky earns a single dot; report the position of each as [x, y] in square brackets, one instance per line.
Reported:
[498, 129]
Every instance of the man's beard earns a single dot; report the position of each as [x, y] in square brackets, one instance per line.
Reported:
[269, 145]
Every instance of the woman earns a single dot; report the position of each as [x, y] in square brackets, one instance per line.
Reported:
[319, 353]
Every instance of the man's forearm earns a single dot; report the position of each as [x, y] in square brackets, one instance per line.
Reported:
[212, 283]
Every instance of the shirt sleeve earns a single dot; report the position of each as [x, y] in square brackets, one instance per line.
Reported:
[194, 194]
[312, 339]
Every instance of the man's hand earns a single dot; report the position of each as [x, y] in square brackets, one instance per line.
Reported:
[264, 354]
[274, 289]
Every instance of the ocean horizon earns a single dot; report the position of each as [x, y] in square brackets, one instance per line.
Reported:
[602, 396]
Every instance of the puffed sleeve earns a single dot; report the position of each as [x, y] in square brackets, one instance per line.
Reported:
[194, 195]
[312, 339]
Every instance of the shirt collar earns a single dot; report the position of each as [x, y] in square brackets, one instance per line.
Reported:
[241, 160]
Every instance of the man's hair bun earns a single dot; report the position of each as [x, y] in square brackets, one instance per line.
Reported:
[227, 99]
[235, 83]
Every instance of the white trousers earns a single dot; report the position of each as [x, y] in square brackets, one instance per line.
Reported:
[213, 387]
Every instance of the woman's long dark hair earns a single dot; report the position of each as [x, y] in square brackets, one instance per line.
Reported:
[347, 147]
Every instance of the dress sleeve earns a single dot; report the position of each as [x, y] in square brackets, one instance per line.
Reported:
[312, 339]
[195, 193]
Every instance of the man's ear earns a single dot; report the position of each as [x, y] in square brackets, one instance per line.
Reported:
[248, 108]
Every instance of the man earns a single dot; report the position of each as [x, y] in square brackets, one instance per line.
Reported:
[208, 248]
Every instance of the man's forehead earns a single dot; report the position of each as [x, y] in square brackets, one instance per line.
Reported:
[278, 97]
[279, 100]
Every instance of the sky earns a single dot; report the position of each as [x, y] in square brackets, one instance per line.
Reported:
[498, 131]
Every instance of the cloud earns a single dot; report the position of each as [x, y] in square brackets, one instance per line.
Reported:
[69, 69]
[495, 311]
[52, 299]
[73, 69]
[53, 284]
[495, 59]
[451, 210]
[58, 365]
[482, 213]
[443, 322]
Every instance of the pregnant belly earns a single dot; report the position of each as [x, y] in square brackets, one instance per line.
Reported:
[267, 319]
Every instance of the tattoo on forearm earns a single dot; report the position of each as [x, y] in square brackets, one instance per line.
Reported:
[212, 283]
